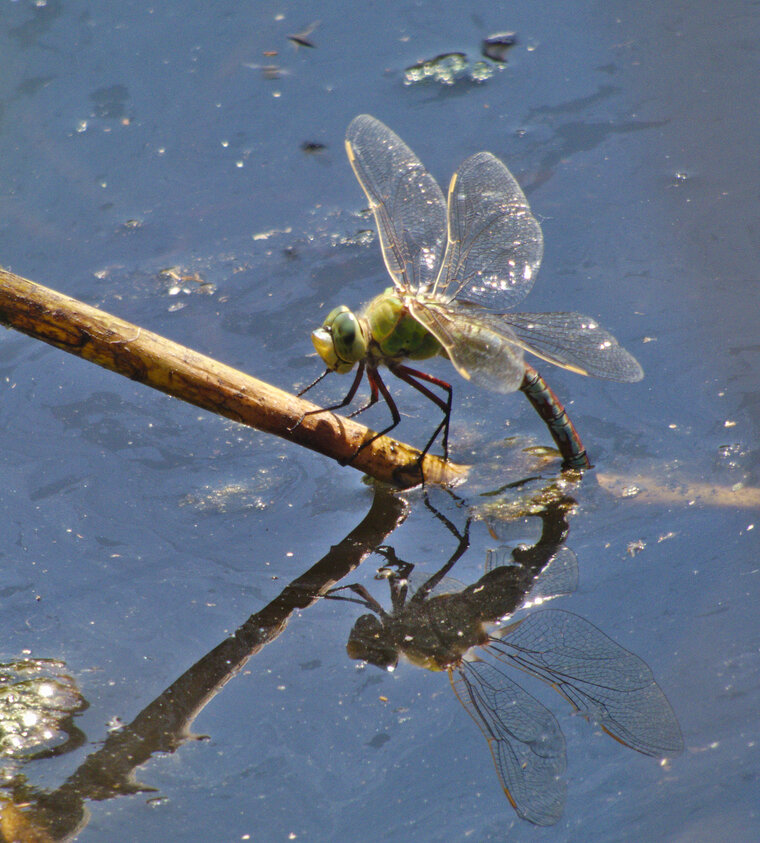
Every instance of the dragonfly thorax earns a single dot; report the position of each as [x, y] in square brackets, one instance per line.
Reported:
[396, 334]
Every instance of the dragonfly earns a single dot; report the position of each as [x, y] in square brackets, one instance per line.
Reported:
[457, 268]
[443, 629]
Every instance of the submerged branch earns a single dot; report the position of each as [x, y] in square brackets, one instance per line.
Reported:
[146, 357]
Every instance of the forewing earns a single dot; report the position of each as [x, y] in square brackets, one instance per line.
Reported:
[558, 577]
[495, 244]
[407, 202]
[447, 585]
[484, 352]
[573, 341]
[605, 682]
[525, 740]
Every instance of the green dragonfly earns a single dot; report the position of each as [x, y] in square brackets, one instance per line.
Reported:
[456, 270]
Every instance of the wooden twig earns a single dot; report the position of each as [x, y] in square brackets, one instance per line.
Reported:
[146, 357]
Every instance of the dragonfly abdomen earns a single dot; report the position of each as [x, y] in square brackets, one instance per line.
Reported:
[549, 407]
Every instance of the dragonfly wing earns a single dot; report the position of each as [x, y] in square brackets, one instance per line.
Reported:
[495, 244]
[447, 585]
[558, 577]
[605, 682]
[487, 353]
[524, 737]
[407, 202]
[573, 341]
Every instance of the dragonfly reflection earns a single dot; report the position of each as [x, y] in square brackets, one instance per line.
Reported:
[441, 629]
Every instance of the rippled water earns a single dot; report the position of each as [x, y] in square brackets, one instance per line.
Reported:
[182, 166]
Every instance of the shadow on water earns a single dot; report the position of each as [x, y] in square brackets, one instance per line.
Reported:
[438, 626]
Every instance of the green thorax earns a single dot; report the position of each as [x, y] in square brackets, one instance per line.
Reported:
[395, 332]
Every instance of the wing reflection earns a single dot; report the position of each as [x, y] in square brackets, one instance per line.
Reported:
[606, 683]
[526, 742]
[439, 628]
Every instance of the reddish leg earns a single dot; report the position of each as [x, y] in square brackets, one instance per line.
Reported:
[377, 385]
[378, 388]
[412, 376]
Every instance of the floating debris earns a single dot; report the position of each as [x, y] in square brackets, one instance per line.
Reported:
[271, 71]
[301, 39]
[444, 68]
[495, 46]
[265, 235]
[37, 701]
[177, 274]
[447, 69]
[268, 71]
[363, 237]
[312, 146]
[480, 71]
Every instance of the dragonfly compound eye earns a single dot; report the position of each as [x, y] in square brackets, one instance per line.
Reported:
[340, 341]
[348, 338]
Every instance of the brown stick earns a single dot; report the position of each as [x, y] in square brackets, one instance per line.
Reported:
[138, 354]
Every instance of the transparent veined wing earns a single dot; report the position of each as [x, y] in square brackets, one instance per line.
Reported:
[558, 578]
[486, 352]
[525, 740]
[573, 341]
[407, 202]
[605, 682]
[495, 244]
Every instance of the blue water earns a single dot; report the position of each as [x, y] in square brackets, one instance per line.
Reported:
[138, 532]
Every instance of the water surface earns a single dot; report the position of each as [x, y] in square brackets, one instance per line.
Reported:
[138, 532]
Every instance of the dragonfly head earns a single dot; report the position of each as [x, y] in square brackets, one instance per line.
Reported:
[341, 342]
[370, 642]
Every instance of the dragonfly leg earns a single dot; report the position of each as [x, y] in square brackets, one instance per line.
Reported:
[314, 383]
[349, 397]
[397, 572]
[412, 377]
[373, 397]
[464, 542]
[549, 407]
[376, 386]
[366, 599]
[403, 569]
